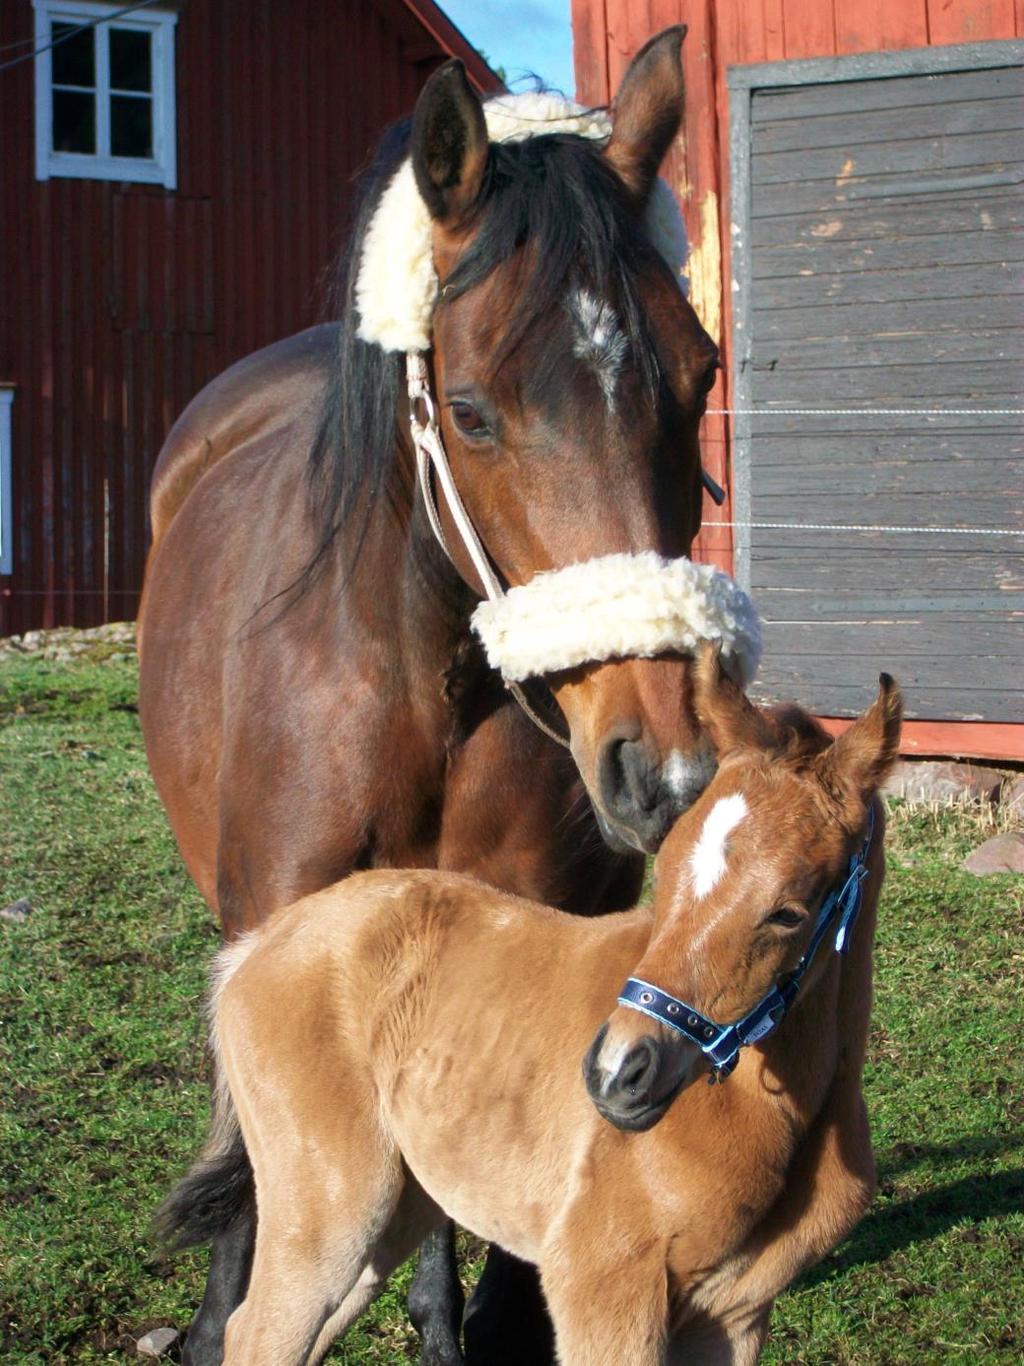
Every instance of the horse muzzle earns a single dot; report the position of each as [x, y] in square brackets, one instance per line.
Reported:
[640, 798]
[633, 1083]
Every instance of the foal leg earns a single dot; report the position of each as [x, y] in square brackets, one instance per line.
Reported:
[415, 1219]
[738, 1342]
[315, 1237]
[611, 1315]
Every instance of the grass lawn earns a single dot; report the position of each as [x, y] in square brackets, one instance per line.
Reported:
[103, 1087]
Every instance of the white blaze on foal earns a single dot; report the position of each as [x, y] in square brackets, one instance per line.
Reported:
[707, 862]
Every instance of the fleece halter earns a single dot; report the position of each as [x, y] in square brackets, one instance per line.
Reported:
[608, 607]
[721, 1044]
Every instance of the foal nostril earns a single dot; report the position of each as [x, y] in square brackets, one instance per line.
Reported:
[638, 1070]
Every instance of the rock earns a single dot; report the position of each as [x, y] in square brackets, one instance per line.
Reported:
[1003, 854]
[1012, 794]
[926, 780]
[157, 1342]
[67, 644]
[18, 911]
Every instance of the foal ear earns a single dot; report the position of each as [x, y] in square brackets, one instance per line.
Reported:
[449, 144]
[863, 755]
[728, 717]
[647, 111]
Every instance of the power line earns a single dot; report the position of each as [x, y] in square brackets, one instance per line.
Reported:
[66, 37]
[873, 527]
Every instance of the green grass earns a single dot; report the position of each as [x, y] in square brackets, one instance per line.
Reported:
[103, 1086]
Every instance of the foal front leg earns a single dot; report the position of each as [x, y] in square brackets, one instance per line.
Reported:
[607, 1316]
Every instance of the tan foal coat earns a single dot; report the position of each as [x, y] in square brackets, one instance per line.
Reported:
[407, 1043]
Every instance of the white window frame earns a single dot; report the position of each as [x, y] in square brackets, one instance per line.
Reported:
[6, 494]
[161, 168]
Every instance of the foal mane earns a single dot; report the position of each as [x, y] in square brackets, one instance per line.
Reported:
[552, 193]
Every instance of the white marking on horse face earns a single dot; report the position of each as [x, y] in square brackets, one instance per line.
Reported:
[674, 773]
[707, 862]
[600, 340]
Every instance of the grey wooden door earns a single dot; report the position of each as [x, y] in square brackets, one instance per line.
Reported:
[880, 223]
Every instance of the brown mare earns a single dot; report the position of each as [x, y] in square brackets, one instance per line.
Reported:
[312, 700]
[407, 1045]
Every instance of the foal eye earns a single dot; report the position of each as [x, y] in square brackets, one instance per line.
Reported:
[786, 917]
[467, 419]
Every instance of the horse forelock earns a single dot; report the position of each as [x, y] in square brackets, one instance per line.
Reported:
[553, 203]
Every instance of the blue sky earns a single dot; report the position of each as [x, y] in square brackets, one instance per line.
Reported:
[520, 35]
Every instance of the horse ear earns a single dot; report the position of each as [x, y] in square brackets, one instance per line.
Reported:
[727, 716]
[648, 110]
[863, 755]
[449, 144]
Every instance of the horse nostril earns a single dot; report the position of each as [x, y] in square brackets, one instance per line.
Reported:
[632, 793]
[639, 1068]
[629, 782]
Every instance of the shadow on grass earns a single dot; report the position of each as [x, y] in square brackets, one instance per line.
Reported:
[902, 1157]
[894, 1227]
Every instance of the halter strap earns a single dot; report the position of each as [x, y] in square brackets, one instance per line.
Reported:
[431, 458]
[721, 1044]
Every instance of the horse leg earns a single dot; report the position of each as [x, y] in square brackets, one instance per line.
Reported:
[735, 1342]
[436, 1299]
[316, 1241]
[226, 1284]
[507, 1322]
[416, 1218]
[605, 1316]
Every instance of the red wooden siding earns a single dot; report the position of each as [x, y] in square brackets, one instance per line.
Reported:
[723, 33]
[120, 301]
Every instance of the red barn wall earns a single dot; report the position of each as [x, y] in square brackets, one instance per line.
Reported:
[121, 300]
[724, 33]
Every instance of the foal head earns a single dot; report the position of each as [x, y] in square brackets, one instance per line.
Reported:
[571, 375]
[740, 880]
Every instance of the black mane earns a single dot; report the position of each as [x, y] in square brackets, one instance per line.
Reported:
[554, 193]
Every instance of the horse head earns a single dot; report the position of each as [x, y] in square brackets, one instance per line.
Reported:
[570, 375]
[763, 869]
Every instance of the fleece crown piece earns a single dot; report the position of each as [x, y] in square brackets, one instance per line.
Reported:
[397, 285]
[617, 606]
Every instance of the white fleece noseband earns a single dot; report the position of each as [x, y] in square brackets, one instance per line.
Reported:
[396, 287]
[618, 606]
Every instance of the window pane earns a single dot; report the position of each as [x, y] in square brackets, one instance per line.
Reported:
[74, 61]
[74, 122]
[130, 60]
[131, 126]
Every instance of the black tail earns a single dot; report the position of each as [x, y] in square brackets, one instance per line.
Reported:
[206, 1202]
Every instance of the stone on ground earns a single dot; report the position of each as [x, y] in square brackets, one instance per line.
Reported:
[17, 911]
[1002, 854]
[157, 1342]
[924, 780]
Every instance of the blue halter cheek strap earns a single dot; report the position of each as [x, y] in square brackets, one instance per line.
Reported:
[721, 1044]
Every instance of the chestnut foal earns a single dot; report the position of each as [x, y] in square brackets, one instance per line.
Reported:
[407, 1045]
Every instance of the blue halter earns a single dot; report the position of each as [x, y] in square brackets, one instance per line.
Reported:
[721, 1044]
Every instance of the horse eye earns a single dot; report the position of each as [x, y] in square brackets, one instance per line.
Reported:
[467, 419]
[786, 917]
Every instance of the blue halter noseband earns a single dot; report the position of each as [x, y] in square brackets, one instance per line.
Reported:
[721, 1044]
